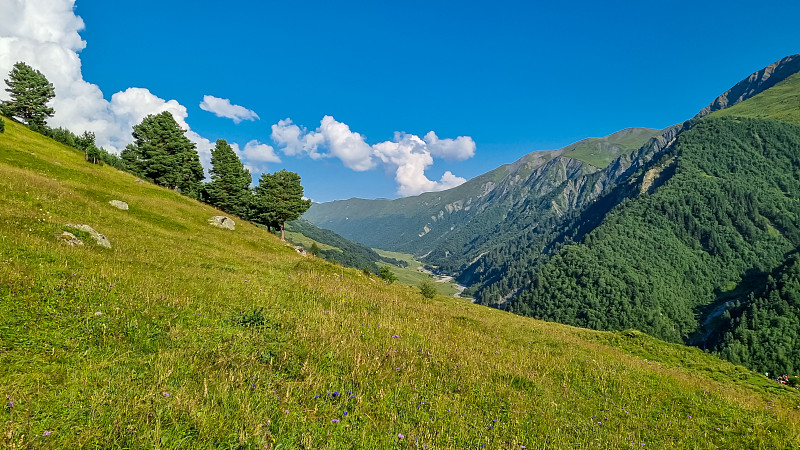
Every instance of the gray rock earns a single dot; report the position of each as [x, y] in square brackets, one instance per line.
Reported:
[69, 238]
[99, 238]
[222, 222]
[301, 251]
[118, 204]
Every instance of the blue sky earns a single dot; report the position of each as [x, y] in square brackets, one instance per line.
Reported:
[510, 77]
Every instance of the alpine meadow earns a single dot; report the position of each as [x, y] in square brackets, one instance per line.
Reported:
[163, 289]
[184, 335]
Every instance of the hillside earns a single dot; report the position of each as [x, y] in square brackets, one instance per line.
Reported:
[333, 247]
[720, 203]
[453, 227]
[182, 335]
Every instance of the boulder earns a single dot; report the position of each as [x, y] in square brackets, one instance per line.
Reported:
[69, 238]
[222, 222]
[301, 251]
[99, 238]
[118, 204]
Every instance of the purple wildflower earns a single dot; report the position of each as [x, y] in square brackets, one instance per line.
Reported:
[395, 335]
[335, 420]
[46, 433]
[165, 394]
[400, 436]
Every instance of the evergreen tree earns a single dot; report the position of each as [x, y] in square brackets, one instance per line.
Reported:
[30, 92]
[229, 189]
[163, 154]
[279, 199]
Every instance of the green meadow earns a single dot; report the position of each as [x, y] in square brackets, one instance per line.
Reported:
[183, 335]
[413, 275]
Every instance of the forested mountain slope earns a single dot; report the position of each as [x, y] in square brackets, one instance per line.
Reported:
[453, 227]
[730, 204]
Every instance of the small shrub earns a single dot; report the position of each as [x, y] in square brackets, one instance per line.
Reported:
[427, 289]
[253, 319]
[387, 274]
[2, 125]
[314, 249]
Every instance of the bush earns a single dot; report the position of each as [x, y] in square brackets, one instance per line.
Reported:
[2, 125]
[427, 289]
[386, 273]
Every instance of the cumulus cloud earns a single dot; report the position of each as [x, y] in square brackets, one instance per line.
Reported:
[257, 152]
[222, 107]
[297, 141]
[407, 155]
[458, 149]
[45, 35]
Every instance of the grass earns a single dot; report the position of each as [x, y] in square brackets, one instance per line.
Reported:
[599, 152]
[183, 335]
[779, 102]
[412, 275]
[306, 242]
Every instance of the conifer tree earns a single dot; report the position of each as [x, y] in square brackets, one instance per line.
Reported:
[229, 189]
[30, 92]
[279, 199]
[163, 154]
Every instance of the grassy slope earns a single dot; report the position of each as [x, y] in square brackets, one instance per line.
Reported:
[781, 102]
[411, 275]
[167, 363]
[599, 152]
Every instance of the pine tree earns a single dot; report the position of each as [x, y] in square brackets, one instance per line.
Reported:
[229, 189]
[30, 92]
[279, 199]
[163, 154]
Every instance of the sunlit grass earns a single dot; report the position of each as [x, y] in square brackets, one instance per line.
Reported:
[780, 102]
[183, 335]
[413, 275]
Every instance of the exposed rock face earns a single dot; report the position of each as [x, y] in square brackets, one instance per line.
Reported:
[118, 204]
[69, 238]
[222, 222]
[754, 84]
[99, 238]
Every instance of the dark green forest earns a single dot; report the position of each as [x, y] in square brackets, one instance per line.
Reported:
[762, 330]
[728, 204]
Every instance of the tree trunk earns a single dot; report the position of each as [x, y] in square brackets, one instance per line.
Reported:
[283, 234]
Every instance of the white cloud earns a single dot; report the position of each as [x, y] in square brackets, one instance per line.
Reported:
[296, 141]
[458, 149]
[222, 107]
[346, 145]
[257, 152]
[407, 155]
[45, 35]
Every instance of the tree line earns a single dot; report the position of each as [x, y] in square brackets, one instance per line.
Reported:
[161, 153]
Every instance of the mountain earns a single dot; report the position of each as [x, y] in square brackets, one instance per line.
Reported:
[452, 227]
[720, 202]
[183, 335]
[659, 239]
[692, 246]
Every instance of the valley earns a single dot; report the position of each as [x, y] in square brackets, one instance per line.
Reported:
[640, 229]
